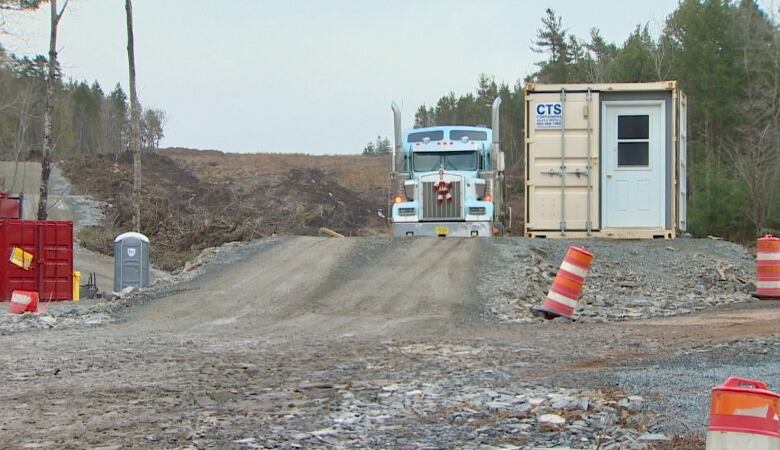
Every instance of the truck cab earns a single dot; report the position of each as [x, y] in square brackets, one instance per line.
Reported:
[448, 181]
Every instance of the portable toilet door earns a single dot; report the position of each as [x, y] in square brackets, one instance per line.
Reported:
[131, 261]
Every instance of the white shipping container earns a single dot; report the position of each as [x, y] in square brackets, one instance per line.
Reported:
[605, 160]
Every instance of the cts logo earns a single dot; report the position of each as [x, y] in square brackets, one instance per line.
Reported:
[548, 109]
[549, 115]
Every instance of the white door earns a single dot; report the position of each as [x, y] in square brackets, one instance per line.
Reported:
[633, 149]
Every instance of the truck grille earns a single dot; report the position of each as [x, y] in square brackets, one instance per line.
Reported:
[433, 210]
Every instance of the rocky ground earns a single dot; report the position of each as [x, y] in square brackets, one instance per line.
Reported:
[384, 343]
[627, 280]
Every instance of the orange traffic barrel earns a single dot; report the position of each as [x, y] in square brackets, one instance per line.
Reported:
[23, 301]
[564, 294]
[768, 267]
[744, 415]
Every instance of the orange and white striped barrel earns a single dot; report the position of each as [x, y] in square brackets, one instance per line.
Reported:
[744, 415]
[768, 270]
[564, 294]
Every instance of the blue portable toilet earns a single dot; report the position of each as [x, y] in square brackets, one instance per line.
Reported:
[131, 261]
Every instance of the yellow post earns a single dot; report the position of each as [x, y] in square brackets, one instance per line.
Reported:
[76, 285]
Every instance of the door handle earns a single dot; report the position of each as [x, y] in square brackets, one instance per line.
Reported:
[609, 175]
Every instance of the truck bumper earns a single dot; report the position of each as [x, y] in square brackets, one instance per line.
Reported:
[454, 229]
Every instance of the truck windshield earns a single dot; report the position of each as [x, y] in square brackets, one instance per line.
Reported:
[430, 161]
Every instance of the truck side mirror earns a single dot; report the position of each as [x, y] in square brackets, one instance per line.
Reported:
[479, 187]
[500, 165]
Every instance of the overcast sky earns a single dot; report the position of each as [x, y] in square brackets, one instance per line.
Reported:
[309, 76]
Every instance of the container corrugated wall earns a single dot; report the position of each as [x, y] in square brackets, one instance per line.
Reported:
[51, 272]
[558, 190]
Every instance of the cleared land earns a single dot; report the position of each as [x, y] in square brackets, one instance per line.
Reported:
[199, 199]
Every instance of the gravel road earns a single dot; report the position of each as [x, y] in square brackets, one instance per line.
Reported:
[376, 342]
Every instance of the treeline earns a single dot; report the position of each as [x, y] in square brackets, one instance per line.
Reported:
[474, 109]
[86, 119]
[379, 147]
[725, 56]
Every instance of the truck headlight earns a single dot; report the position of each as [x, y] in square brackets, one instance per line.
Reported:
[407, 211]
[477, 210]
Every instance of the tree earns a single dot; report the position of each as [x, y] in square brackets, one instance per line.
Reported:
[20, 5]
[152, 128]
[636, 61]
[755, 150]
[602, 57]
[135, 119]
[369, 149]
[86, 109]
[116, 120]
[424, 117]
[383, 146]
[379, 147]
[56, 16]
[551, 40]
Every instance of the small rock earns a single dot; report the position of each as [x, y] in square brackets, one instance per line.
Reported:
[654, 437]
[498, 405]
[48, 320]
[551, 419]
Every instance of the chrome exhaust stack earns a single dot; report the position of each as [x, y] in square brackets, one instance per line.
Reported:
[495, 125]
[398, 147]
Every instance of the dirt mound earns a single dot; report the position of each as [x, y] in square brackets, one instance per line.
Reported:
[185, 211]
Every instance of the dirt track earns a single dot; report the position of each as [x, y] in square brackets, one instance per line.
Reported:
[330, 287]
[255, 349]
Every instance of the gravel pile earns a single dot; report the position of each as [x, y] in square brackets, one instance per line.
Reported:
[627, 280]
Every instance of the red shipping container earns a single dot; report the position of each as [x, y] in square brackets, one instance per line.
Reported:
[51, 245]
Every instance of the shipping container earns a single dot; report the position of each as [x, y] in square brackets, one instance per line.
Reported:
[605, 160]
[38, 256]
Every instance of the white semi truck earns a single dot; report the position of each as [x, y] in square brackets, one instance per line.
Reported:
[449, 180]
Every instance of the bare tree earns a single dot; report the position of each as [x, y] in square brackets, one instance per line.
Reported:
[25, 99]
[49, 110]
[152, 128]
[135, 120]
[755, 151]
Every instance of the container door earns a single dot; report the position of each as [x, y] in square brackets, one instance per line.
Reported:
[562, 146]
[55, 260]
[633, 150]
[682, 175]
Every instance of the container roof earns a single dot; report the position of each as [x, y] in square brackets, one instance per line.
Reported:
[615, 87]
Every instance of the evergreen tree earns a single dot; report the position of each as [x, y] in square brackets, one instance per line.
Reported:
[369, 149]
[552, 41]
